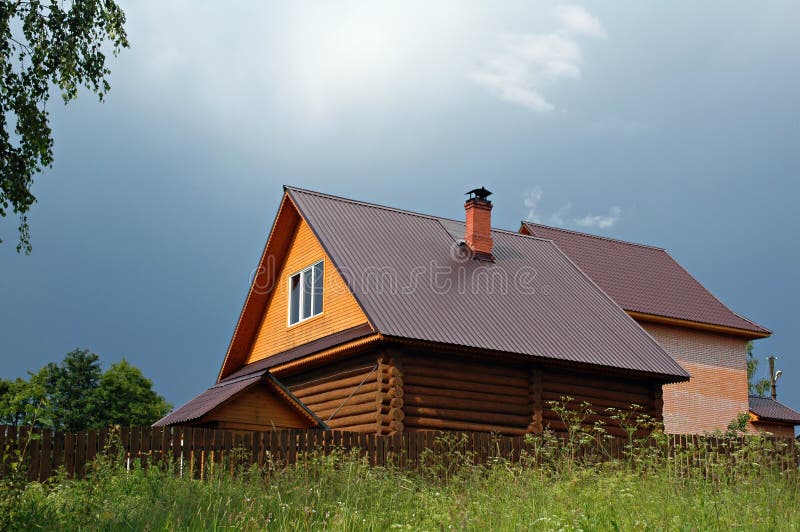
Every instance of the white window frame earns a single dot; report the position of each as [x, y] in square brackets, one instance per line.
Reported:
[308, 270]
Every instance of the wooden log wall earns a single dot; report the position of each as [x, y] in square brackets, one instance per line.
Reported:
[535, 398]
[449, 394]
[402, 390]
[391, 402]
[601, 393]
[347, 395]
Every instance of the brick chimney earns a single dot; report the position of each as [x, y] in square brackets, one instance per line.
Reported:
[478, 234]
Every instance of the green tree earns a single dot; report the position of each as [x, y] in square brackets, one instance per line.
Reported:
[46, 46]
[22, 403]
[126, 397]
[757, 387]
[71, 390]
[76, 394]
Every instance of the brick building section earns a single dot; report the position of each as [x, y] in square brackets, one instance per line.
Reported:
[717, 392]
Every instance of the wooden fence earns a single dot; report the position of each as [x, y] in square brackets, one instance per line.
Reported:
[192, 451]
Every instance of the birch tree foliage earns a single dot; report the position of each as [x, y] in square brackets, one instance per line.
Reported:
[47, 47]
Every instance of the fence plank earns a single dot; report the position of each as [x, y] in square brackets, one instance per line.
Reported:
[11, 440]
[304, 443]
[154, 444]
[219, 439]
[58, 451]
[69, 453]
[23, 439]
[91, 445]
[34, 452]
[80, 452]
[175, 449]
[380, 450]
[247, 449]
[104, 444]
[283, 439]
[346, 442]
[193, 450]
[255, 448]
[264, 452]
[46, 458]
[125, 443]
[143, 446]
[202, 440]
[135, 436]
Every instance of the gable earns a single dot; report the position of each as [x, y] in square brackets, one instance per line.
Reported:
[253, 402]
[340, 309]
[257, 408]
[260, 331]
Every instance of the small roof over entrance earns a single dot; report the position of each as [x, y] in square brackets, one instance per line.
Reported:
[257, 401]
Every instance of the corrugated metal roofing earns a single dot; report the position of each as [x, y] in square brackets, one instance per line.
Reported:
[414, 281]
[643, 278]
[226, 390]
[771, 410]
[208, 400]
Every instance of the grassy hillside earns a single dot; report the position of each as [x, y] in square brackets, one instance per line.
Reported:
[649, 490]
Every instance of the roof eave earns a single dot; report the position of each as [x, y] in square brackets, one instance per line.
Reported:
[691, 324]
[665, 378]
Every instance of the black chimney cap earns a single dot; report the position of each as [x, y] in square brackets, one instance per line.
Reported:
[479, 193]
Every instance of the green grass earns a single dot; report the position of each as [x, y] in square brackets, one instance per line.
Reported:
[648, 491]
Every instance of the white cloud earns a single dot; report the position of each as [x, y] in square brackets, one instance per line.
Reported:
[521, 66]
[579, 21]
[560, 218]
[601, 221]
[531, 201]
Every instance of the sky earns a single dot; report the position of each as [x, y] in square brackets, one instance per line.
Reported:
[673, 124]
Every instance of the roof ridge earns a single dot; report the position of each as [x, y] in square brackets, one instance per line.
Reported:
[590, 235]
[401, 211]
[363, 203]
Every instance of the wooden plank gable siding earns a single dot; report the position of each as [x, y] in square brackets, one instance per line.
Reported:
[258, 408]
[340, 309]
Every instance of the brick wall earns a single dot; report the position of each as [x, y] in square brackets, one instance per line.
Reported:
[717, 391]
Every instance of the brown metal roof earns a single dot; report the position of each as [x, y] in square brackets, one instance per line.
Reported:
[414, 281]
[226, 390]
[643, 279]
[768, 409]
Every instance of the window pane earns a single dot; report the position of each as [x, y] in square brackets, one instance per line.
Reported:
[294, 299]
[318, 288]
[307, 298]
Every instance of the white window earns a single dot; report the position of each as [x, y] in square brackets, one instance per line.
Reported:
[305, 293]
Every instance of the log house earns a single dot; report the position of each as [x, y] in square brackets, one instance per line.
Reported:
[379, 320]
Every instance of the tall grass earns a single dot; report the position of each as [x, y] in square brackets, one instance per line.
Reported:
[553, 487]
